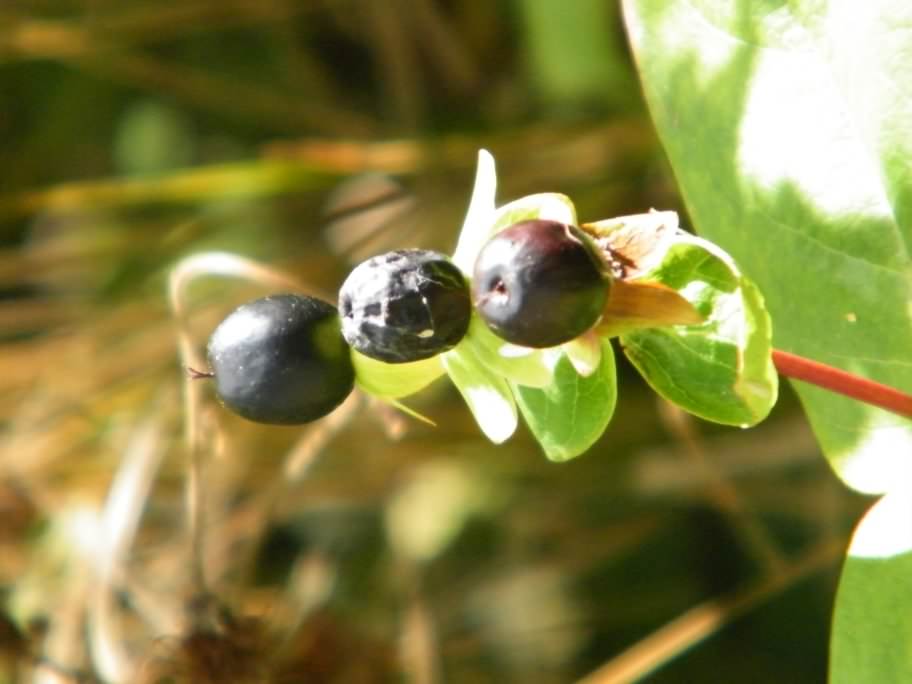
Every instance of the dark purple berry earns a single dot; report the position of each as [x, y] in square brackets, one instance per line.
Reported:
[539, 283]
[405, 305]
[281, 359]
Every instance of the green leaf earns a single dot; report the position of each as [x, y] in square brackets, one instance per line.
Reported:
[872, 626]
[545, 205]
[476, 229]
[522, 365]
[571, 413]
[721, 369]
[394, 380]
[789, 129]
[488, 395]
[584, 353]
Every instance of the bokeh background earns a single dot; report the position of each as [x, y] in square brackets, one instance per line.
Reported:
[369, 547]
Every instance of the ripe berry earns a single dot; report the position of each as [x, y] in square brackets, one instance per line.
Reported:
[405, 305]
[539, 283]
[281, 359]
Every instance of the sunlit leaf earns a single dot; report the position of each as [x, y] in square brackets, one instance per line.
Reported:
[476, 227]
[551, 206]
[721, 369]
[584, 353]
[527, 368]
[393, 380]
[789, 128]
[872, 628]
[488, 395]
[571, 413]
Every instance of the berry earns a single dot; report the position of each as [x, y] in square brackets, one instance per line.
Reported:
[281, 359]
[539, 283]
[405, 305]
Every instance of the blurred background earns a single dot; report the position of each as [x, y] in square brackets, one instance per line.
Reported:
[368, 547]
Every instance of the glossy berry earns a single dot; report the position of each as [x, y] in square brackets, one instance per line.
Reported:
[405, 305]
[539, 283]
[281, 359]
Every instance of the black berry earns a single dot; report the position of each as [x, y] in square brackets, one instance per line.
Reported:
[539, 283]
[281, 359]
[405, 305]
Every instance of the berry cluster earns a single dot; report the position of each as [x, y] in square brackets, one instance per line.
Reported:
[286, 359]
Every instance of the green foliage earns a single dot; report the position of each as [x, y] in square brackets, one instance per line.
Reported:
[571, 413]
[872, 630]
[390, 380]
[487, 394]
[529, 368]
[791, 157]
[790, 132]
[719, 369]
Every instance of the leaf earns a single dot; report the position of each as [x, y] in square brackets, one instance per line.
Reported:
[394, 380]
[721, 369]
[528, 367]
[488, 395]
[584, 353]
[872, 628]
[551, 206]
[476, 227]
[570, 414]
[789, 129]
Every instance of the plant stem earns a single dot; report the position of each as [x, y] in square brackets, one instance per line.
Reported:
[842, 382]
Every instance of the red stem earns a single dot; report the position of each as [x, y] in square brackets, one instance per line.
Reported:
[836, 380]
